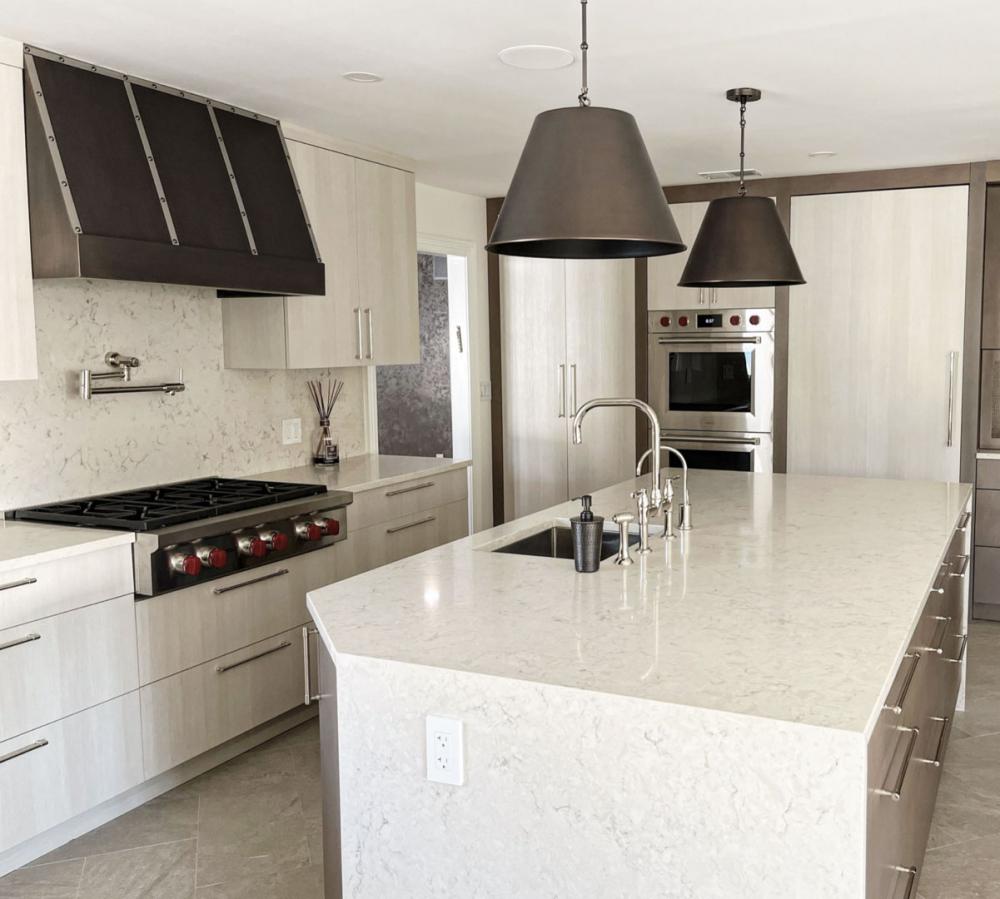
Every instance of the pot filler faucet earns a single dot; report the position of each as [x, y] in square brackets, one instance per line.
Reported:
[648, 504]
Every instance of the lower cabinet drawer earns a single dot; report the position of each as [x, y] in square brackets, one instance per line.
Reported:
[57, 666]
[188, 627]
[193, 711]
[384, 504]
[55, 772]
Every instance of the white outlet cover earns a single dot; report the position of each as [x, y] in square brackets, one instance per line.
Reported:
[445, 751]
[291, 431]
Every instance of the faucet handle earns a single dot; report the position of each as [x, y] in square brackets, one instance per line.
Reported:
[642, 495]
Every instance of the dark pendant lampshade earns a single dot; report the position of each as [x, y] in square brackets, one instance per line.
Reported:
[585, 188]
[741, 243]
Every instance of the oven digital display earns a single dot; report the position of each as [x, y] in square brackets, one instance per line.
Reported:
[709, 321]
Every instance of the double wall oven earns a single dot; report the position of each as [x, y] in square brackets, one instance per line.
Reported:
[711, 382]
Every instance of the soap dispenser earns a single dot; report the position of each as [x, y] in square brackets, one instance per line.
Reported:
[588, 529]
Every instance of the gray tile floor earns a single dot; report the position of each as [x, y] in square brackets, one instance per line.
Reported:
[251, 829]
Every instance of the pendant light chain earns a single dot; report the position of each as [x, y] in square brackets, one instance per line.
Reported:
[743, 129]
[584, 97]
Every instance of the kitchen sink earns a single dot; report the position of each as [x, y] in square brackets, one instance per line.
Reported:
[556, 542]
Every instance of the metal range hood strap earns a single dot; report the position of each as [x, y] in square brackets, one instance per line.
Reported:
[231, 214]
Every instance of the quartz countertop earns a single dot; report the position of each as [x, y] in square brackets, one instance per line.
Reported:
[25, 543]
[357, 473]
[793, 598]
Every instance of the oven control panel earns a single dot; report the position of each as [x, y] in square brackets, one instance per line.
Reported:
[681, 321]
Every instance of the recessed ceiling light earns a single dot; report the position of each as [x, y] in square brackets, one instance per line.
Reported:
[362, 77]
[536, 56]
[822, 154]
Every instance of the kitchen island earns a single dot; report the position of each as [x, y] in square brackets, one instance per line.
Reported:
[760, 707]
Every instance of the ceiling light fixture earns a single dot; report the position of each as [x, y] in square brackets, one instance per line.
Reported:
[362, 77]
[585, 187]
[741, 242]
[535, 56]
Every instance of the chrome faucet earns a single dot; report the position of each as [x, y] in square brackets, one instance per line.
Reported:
[652, 503]
[685, 518]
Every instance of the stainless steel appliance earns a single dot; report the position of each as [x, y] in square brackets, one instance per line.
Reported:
[193, 531]
[711, 383]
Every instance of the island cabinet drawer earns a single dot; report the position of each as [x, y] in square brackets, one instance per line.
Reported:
[53, 773]
[55, 667]
[188, 627]
[402, 537]
[418, 495]
[191, 712]
[39, 591]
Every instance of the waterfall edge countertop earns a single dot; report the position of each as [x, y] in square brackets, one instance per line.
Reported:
[24, 543]
[366, 472]
[793, 598]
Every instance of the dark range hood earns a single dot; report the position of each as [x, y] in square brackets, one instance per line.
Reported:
[134, 181]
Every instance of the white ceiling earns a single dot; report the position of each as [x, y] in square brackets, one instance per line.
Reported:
[884, 82]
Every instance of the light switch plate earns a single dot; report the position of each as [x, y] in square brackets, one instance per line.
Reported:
[291, 431]
[445, 752]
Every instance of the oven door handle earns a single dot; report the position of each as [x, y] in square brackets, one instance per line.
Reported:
[737, 441]
[662, 341]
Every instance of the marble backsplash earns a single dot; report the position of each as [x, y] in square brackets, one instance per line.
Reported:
[55, 445]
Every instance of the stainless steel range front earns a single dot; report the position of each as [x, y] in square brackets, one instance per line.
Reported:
[194, 531]
[711, 382]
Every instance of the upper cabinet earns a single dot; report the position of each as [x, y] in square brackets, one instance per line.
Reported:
[17, 335]
[363, 217]
[665, 272]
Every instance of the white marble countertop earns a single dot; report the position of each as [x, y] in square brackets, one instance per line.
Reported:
[357, 473]
[792, 598]
[25, 543]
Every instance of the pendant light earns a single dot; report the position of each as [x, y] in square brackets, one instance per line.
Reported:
[741, 242]
[585, 188]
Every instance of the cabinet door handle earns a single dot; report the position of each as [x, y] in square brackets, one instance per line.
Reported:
[911, 875]
[962, 568]
[24, 582]
[963, 523]
[957, 660]
[952, 360]
[942, 738]
[562, 390]
[943, 622]
[357, 318]
[896, 792]
[422, 486]
[412, 524]
[264, 577]
[458, 335]
[572, 389]
[310, 697]
[27, 638]
[371, 334]
[284, 644]
[24, 750]
[897, 709]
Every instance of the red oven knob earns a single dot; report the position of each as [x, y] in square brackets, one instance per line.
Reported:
[275, 540]
[754, 319]
[329, 526]
[734, 319]
[212, 556]
[307, 530]
[252, 546]
[682, 321]
[183, 563]
[665, 321]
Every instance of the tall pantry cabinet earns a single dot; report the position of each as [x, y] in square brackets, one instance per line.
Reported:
[567, 336]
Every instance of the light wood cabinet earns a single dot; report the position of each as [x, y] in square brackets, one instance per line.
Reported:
[665, 271]
[18, 360]
[567, 337]
[874, 371]
[363, 217]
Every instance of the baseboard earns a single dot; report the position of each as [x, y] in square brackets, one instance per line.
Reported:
[43, 843]
[986, 611]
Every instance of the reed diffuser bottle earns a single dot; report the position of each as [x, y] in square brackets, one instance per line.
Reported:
[324, 398]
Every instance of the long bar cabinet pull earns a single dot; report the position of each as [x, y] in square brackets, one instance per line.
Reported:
[962, 568]
[412, 524]
[562, 390]
[942, 627]
[896, 793]
[911, 882]
[371, 334]
[27, 638]
[309, 697]
[572, 389]
[24, 582]
[897, 709]
[256, 580]
[357, 317]
[663, 341]
[284, 644]
[957, 660]
[24, 750]
[952, 360]
[422, 486]
[942, 737]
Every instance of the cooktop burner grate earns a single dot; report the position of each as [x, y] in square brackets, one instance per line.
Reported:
[151, 508]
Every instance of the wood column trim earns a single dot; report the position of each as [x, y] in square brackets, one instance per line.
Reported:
[641, 352]
[779, 430]
[496, 364]
[971, 354]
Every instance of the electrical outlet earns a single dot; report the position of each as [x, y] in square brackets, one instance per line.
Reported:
[445, 754]
[291, 431]
[485, 390]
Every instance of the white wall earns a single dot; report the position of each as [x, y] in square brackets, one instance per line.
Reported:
[446, 216]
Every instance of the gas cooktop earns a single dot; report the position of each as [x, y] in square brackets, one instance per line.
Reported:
[151, 508]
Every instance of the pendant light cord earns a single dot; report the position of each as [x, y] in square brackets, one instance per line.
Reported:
[743, 130]
[584, 97]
